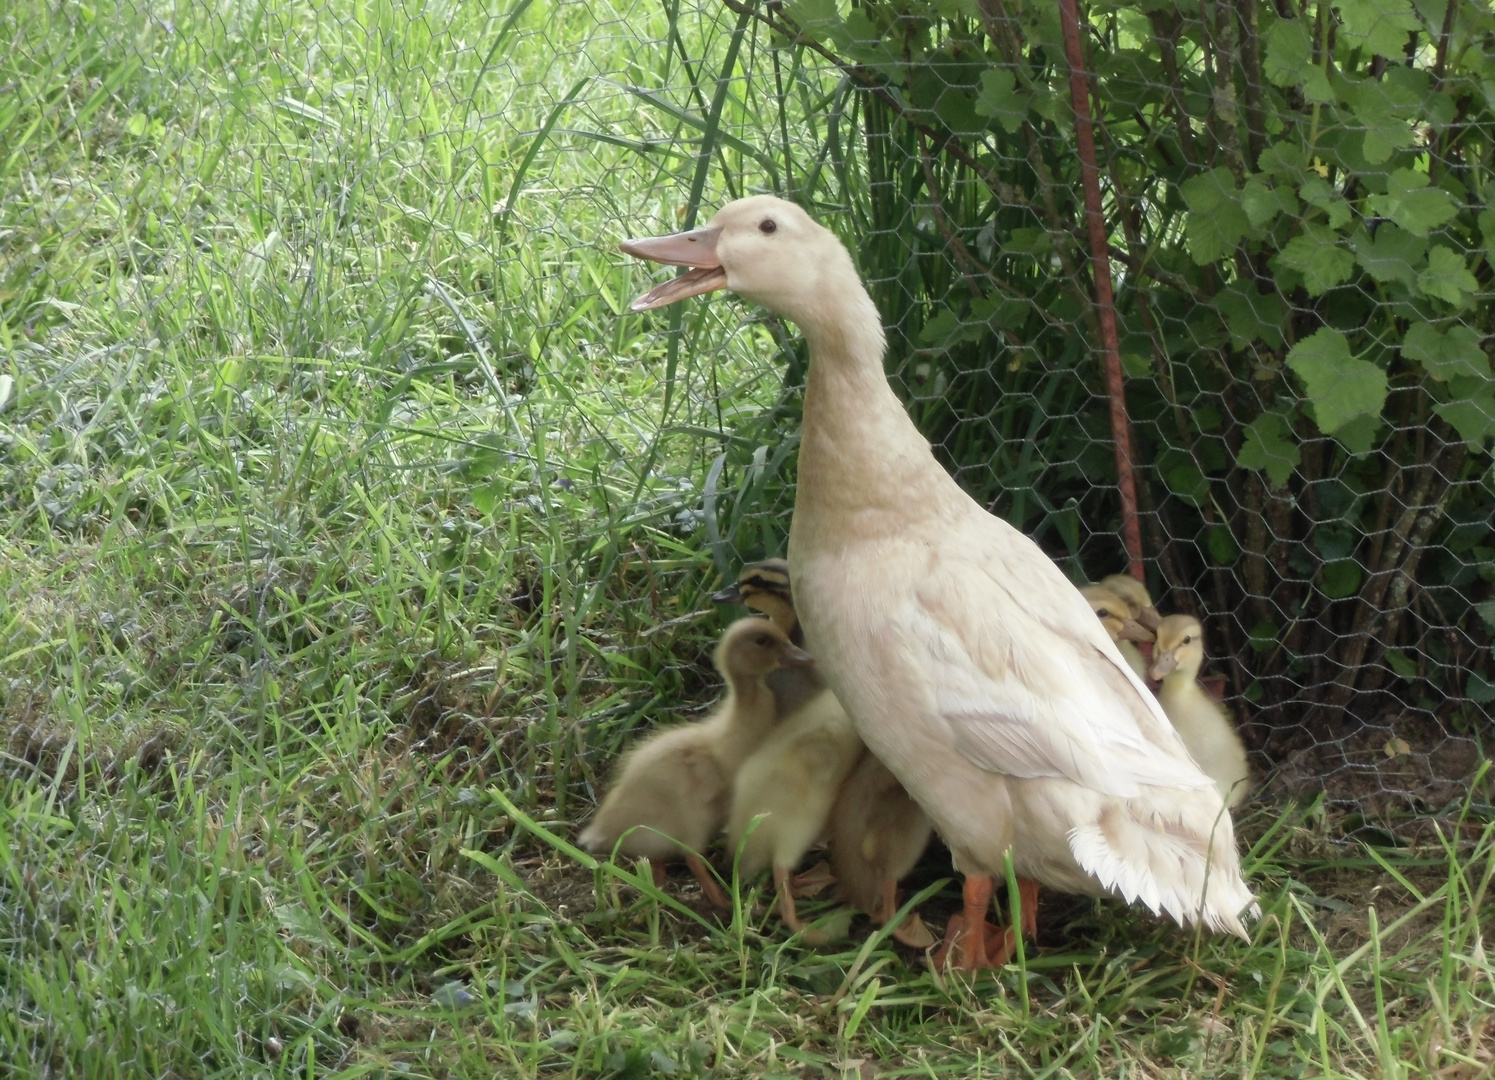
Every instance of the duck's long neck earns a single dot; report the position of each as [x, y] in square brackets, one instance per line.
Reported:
[860, 453]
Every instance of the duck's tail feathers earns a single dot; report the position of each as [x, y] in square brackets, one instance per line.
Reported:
[1166, 862]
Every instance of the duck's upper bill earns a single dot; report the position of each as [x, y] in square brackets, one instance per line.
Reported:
[695, 249]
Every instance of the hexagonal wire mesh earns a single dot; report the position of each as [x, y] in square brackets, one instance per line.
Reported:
[323, 418]
[319, 307]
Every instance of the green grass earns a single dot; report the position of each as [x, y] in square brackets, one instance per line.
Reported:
[347, 529]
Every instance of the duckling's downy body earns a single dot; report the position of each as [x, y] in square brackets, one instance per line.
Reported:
[1205, 727]
[673, 789]
[877, 832]
[970, 666]
[792, 780]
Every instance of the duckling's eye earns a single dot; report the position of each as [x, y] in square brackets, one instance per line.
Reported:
[1103, 613]
[763, 639]
[767, 225]
[1189, 640]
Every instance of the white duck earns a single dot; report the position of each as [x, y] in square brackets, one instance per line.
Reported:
[967, 661]
[1202, 724]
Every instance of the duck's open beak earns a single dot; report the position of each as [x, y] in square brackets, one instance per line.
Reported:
[696, 249]
[1150, 618]
[1133, 630]
[1162, 666]
[730, 595]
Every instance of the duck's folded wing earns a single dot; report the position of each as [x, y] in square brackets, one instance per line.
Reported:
[1040, 695]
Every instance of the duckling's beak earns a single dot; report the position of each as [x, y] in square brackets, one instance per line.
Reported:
[1150, 618]
[1163, 666]
[730, 595]
[696, 249]
[794, 656]
[1132, 630]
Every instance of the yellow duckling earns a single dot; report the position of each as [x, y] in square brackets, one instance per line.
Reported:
[1116, 616]
[792, 779]
[1204, 726]
[877, 833]
[1138, 601]
[672, 791]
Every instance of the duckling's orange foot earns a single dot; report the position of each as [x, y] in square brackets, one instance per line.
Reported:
[709, 888]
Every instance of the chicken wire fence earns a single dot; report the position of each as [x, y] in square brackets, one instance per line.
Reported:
[322, 302]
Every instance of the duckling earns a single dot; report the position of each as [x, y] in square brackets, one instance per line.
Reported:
[792, 780]
[877, 833]
[1204, 726]
[1138, 601]
[672, 791]
[1116, 616]
[764, 586]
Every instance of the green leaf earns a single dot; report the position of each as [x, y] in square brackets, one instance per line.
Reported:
[999, 98]
[1385, 109]
[1223, 549]
[1340, 579]
[1317, 191]
[1269, 448]
[1381, 26]
[1486, 611]
[1447, 278]
[1340, 386]
[1315, 253]
[1478, 690]
[1487, 233]
[1452, 355]
[1358, 436]
[1393, 255]
[1404, 666]
[1412, 204]
[1252, 316]
[1188, 483]
[1263, 203]
[1216, 222]
[1334, 541]
[1283, 159]
[1472, 412]
[1289, 52]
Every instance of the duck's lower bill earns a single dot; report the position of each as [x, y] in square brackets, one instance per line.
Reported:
[695, 283]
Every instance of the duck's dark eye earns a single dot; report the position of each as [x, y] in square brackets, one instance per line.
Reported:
[763, 639]
[766, 226]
